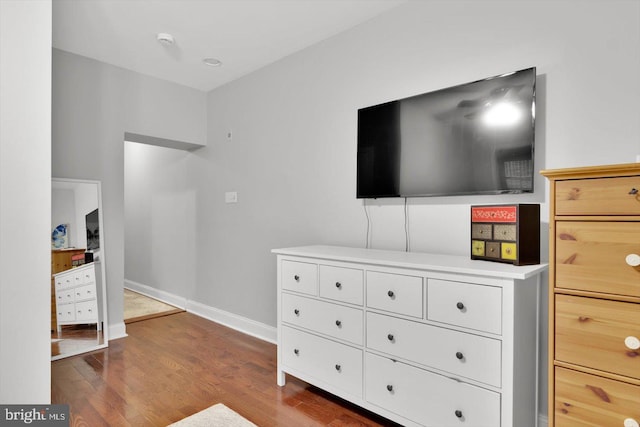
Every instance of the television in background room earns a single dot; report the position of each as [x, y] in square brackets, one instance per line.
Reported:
[93, 230]
[474, 138]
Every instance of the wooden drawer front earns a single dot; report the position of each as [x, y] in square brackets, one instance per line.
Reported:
[300, 277]
[427, 398]
[481, 231]
[65, 296]
[87, 310]
[342, 284]
[509, 251]
[592, 332]
[338, 321]
[395, 293]
[505, 232]
[591, 256]
[588, 400]
[85, 292]
[602, 196]
[324, 360]
[66, 312]
[462, 354]
[463, 304]
[493, 250]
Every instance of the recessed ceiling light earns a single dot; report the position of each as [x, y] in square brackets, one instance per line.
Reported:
[212, 62]
[165, 39]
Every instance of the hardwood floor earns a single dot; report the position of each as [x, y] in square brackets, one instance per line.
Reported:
[174, 366]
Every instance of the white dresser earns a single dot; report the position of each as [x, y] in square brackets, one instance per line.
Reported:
[421, 339]
[77, 293]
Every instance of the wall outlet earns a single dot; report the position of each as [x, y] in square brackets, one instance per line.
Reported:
[638, 158]
[231, 197]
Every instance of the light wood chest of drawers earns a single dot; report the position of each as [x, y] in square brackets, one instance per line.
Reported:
[594, 296]
[422, 339]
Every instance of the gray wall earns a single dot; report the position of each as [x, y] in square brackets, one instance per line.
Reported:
[94, 104]
[25, 202]
[292, 156]
[159, 207]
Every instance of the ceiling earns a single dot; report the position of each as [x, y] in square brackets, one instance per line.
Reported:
[244, 35]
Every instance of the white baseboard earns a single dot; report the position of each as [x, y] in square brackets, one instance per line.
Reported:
[233, 321]
[119, 330]
[158, 294]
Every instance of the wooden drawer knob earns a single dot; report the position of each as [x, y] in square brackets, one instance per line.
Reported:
[630, 422]
[632, 343]
[633, 260]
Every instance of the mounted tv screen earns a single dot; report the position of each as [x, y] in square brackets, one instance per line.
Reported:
[475, 138]
[92, 222]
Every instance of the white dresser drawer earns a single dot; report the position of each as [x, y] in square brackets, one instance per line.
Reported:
[322, 359]
[338, 321]
[342, 284]
[396, 293]
[459, 353]
[300, 277]
[427, 398]
[65, 296]
[85, 292]
[464, 304]
[86, 275]
[87, 310]
[65, 281]
[66, 312]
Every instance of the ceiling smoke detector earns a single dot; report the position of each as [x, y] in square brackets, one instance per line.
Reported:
[212, 62]
[165, 39]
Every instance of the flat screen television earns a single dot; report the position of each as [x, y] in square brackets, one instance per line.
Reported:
[93, 230]
[474, 138]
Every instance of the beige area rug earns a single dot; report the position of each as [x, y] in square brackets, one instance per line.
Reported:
[139, 307]
[214, 416]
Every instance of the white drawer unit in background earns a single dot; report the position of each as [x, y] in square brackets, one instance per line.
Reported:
[76, 296]
[421, 339]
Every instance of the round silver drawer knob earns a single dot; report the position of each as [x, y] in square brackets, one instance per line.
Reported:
[630, 422]
[633, 260]
[632, 343]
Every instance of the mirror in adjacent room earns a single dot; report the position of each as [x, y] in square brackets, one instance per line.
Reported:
[78, 280]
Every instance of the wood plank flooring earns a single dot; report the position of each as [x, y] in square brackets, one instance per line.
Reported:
[174, 366]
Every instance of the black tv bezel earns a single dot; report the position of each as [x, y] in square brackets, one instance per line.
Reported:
[398, 194]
